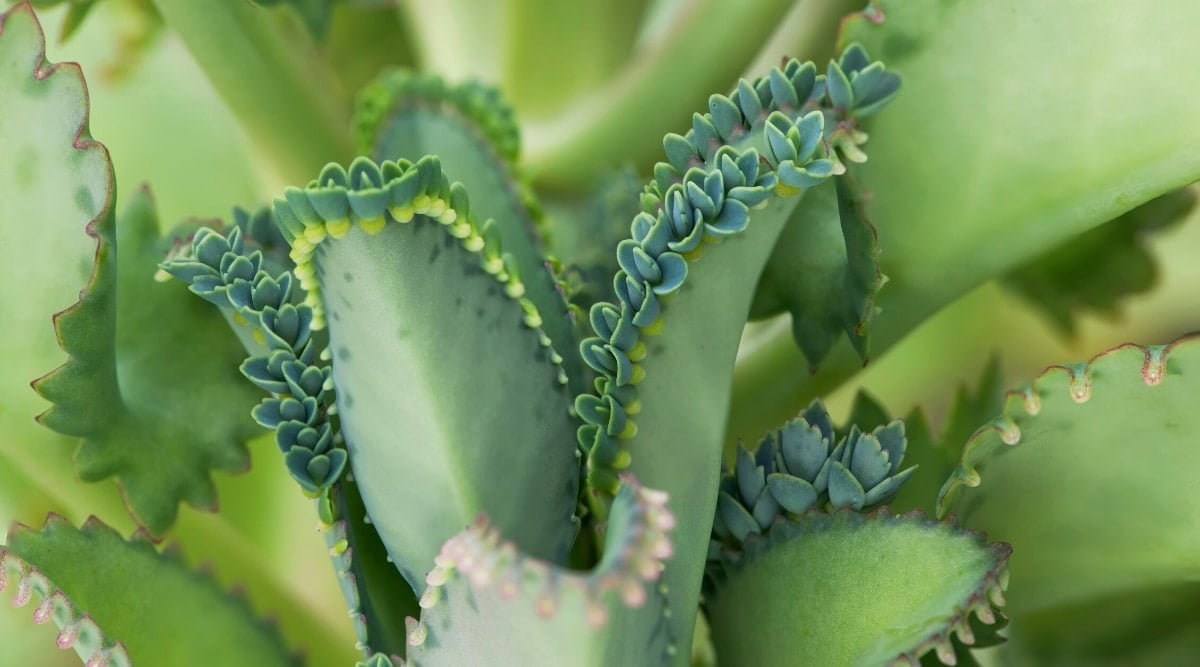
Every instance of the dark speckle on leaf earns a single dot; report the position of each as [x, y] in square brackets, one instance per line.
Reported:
[84, 200]
[348, 277]
[343, 353]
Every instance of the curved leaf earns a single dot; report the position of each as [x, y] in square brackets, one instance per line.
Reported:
[127, 387]
[1091, 474]
[266, 67]
[854, 589]
[489, 603]
[1009, 139]
[159, 610]
[443, 377]
[665, 348]
[471, 129]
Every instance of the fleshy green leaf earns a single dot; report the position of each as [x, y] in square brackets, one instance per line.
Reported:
[1091, 475]
[61, 180]
[92, 581]
[487, 603]
[443, 377]
[854, 589]
[157, 419]
[1097, 270]
[1006, 141]
[726, 199]
[825, 271]
[471, 129]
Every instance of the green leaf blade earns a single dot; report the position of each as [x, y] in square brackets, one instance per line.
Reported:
[161, 611]
[443, 377]
[1115, 431]
[890, 589]
[472, 130]
[127, 387]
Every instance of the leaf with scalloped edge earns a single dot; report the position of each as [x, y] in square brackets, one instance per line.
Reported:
[62, 181]
[472, 130]
[395, 264]
[665, 346]
[125, 601]
[856, 589]
[936, 453]
[1100, 268]
[825, 272]
[488, 603]
[1091, 474]
[157, 419]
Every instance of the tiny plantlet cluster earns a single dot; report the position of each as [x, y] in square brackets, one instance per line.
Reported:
[541, 305]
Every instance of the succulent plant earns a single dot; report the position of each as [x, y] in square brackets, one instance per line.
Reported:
[510, 351]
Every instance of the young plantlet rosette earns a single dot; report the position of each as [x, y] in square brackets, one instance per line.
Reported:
[513, 382]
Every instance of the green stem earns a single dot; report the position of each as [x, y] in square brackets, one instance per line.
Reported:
[704, 50]
[556, 51]
[265, 66]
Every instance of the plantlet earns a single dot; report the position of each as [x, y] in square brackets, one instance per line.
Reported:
[512, 356]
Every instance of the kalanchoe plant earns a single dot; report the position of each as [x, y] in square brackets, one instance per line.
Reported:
[505, 350]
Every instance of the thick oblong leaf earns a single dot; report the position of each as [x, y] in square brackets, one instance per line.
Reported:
[449, 396]
[472, 131]
[855, 589]
[1009, 138]
[129, 386]
[723, 198]
[101, 589]
[1092, 475]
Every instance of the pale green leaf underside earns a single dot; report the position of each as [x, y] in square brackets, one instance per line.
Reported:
[160, 610]
[852, 589]
[157, 419]
[489, 604]
[61, 181]
[471, 130]
[449, 402]
[1098, 490]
